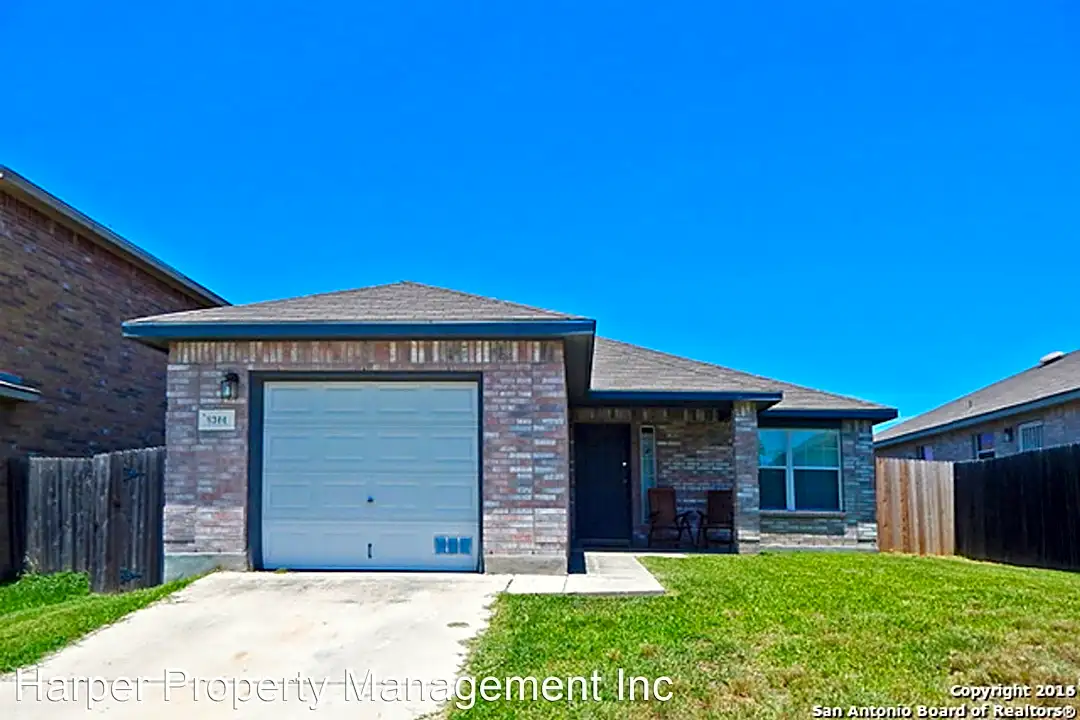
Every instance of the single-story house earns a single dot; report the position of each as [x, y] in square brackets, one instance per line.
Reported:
[405, 426]
[1036, 408]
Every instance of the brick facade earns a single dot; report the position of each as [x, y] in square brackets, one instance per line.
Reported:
[744, 440]
[1061, 426]
[697, 451]
[526, 496]
[63, 298]
[856, 525]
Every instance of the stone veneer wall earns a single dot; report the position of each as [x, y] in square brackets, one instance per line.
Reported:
[526, 449]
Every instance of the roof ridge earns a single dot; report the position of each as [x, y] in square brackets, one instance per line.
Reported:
[324, 293]
[509, 303]
[897, 429]
[671, 356]
[412, 283]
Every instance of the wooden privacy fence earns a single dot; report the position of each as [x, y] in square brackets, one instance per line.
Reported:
[99, 515]
[915, 506]
[1022, 509]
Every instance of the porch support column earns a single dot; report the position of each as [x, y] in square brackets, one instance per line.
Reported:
[744, 427]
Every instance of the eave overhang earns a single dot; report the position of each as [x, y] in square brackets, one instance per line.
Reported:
[875, 414]
[578, 335]
[962, 423]
[677, 398]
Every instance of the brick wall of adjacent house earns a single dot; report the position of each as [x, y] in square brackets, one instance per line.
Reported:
[525, 435]
[1061, 426]
[697, 451]
[62, 300]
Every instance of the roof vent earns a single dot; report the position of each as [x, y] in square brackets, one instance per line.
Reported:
[1051, 357]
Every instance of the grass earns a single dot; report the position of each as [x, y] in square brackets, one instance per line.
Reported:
[43, 613]
[771, 636]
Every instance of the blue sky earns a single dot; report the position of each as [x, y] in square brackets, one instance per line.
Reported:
[878, 199]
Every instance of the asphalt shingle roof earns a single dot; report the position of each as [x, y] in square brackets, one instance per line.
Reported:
[616, 365]
[395, 302]
[1037, 383]
[621, 366]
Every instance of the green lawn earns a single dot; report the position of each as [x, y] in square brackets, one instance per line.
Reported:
[773, 635]
[42, 613]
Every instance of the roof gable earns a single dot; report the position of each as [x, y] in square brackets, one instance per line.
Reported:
[1032, 385]
[404, 301]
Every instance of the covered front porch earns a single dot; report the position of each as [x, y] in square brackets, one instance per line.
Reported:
[793, 483]
[619, 453]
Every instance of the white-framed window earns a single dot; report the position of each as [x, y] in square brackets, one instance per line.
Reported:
[924, 452]
[1031, 435]
[982, 445]
[648, 467]
[799, 469]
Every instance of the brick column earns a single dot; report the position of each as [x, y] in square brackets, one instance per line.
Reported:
[745, 459]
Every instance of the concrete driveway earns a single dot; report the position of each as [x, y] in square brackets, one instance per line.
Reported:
[275, 640]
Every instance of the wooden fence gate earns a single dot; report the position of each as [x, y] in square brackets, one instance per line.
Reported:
[99, 515]
[915, 506]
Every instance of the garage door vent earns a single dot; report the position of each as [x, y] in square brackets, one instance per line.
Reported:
[450, 545]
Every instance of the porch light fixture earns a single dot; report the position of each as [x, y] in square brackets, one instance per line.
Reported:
[230, 386]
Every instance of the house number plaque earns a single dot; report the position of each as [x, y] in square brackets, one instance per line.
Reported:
[217, 420]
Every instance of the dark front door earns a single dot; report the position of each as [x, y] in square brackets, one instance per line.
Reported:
[602, 484]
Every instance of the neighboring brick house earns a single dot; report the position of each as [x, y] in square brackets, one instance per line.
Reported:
[70, 383]
[404, 426]
[1039, 407]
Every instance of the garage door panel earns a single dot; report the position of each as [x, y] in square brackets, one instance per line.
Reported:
[423, 498]
[313, 497]
[449, 402]
[398, 399]
[293, 447]
[382, 546]
[341, 447]
[410, 447]
[344, 401]
[413, 547]
[453, 447]
[285, 401]
[284, 498]
[315, 546]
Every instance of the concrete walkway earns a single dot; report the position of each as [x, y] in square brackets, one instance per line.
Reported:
[606, 573]
[267, 645]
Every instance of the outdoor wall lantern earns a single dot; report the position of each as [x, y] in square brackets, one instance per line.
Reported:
[230, 386]
[1008, 434]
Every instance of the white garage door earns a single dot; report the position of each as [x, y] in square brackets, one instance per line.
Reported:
[370, 475]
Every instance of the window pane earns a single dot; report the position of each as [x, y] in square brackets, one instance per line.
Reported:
[1031, 436]
[772, 448]
[648, 468]
[773, 484]
[815, 448]
[817, 490]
